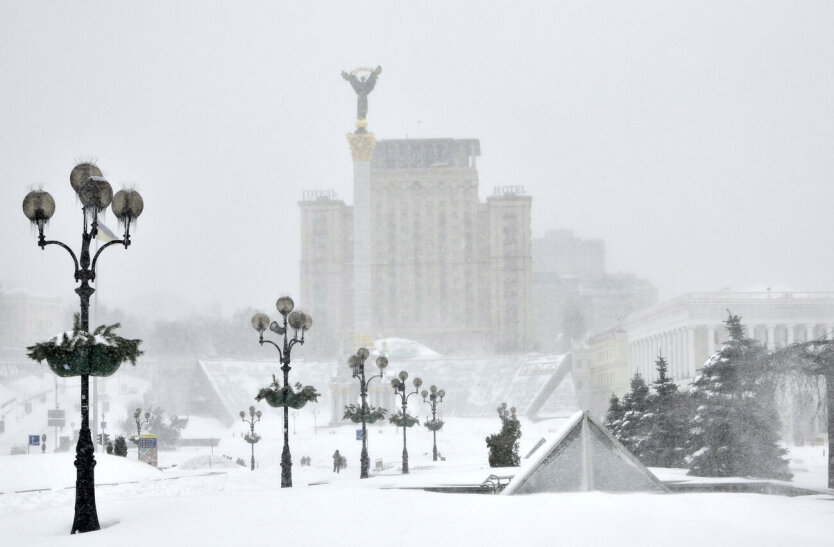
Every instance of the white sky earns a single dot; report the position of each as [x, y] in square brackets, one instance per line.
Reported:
[696, 138]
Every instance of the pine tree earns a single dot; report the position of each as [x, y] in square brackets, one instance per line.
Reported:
[120, 447]
[735, 426]
[614, 416]
[503, 446]
[631, 428]
[666, 422]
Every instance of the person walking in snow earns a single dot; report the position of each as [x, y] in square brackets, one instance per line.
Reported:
[337, 461]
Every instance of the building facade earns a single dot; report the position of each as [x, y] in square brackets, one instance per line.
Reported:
[441, 267]
[574, 296]
[27, 318]
[690, 328]
[326, 279]
[601, 369]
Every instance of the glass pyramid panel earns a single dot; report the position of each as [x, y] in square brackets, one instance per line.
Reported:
[611, 468]
[561, 470]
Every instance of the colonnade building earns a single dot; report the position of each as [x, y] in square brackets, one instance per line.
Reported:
[690, 328]
[418, 255]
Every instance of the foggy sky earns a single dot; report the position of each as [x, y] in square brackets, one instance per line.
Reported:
[695, 138]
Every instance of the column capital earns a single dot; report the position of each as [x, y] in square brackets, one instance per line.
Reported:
[361, 145]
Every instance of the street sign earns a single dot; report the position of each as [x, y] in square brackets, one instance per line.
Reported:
[34, 440]
[358, 434]
[55, 418]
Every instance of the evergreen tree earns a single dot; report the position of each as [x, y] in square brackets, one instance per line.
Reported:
[503, 446]
[666, 422]
[735, 426]
[614, 416]
[120, 447]
[627, 424]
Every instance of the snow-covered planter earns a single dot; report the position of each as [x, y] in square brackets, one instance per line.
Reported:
[251, 438]
[285, 396]
[403, 420]
[372, 414]
[434, 425]
[78, 352]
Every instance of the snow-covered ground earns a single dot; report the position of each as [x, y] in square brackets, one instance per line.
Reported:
[141, 505]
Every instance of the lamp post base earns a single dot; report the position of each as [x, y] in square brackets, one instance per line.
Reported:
[86, 516]
[286, 468]
[364, 463]
[405, 461]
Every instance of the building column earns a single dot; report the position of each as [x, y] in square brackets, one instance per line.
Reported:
[771, 337]
[641, 355]
[645, 343]
[674, 359]
[681, 352]
[690, 352]
[638, 357]
[710, 340]
[809, 332]
[790, 339]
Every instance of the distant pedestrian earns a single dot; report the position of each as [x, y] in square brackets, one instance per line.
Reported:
[337, 461]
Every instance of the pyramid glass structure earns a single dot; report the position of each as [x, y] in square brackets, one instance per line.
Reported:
[583, 456]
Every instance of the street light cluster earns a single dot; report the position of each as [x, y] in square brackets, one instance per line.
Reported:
[368, 414]
[357, 365]
[404, 420]
[251, 437]
[283, 396]
[435, 397]
[95, 194]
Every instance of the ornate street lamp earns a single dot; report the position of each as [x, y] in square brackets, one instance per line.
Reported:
[365, 414]
[95, 194]
[251, 437]
[283, 396]
[402, 418]
[139, 422]
[434, 398]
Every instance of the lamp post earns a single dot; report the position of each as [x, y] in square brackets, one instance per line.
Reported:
[399, 390]
[298, 321]
[251, 437]
[95, 194]
[139, 422]
[357, 364]
[434, 399]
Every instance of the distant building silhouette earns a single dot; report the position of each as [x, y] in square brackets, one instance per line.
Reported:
[573, 296]
[440, 267]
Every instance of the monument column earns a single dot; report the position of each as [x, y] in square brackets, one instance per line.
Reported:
[361, 149]
[362, 80]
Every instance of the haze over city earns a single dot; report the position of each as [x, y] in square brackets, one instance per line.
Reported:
[695, 139]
